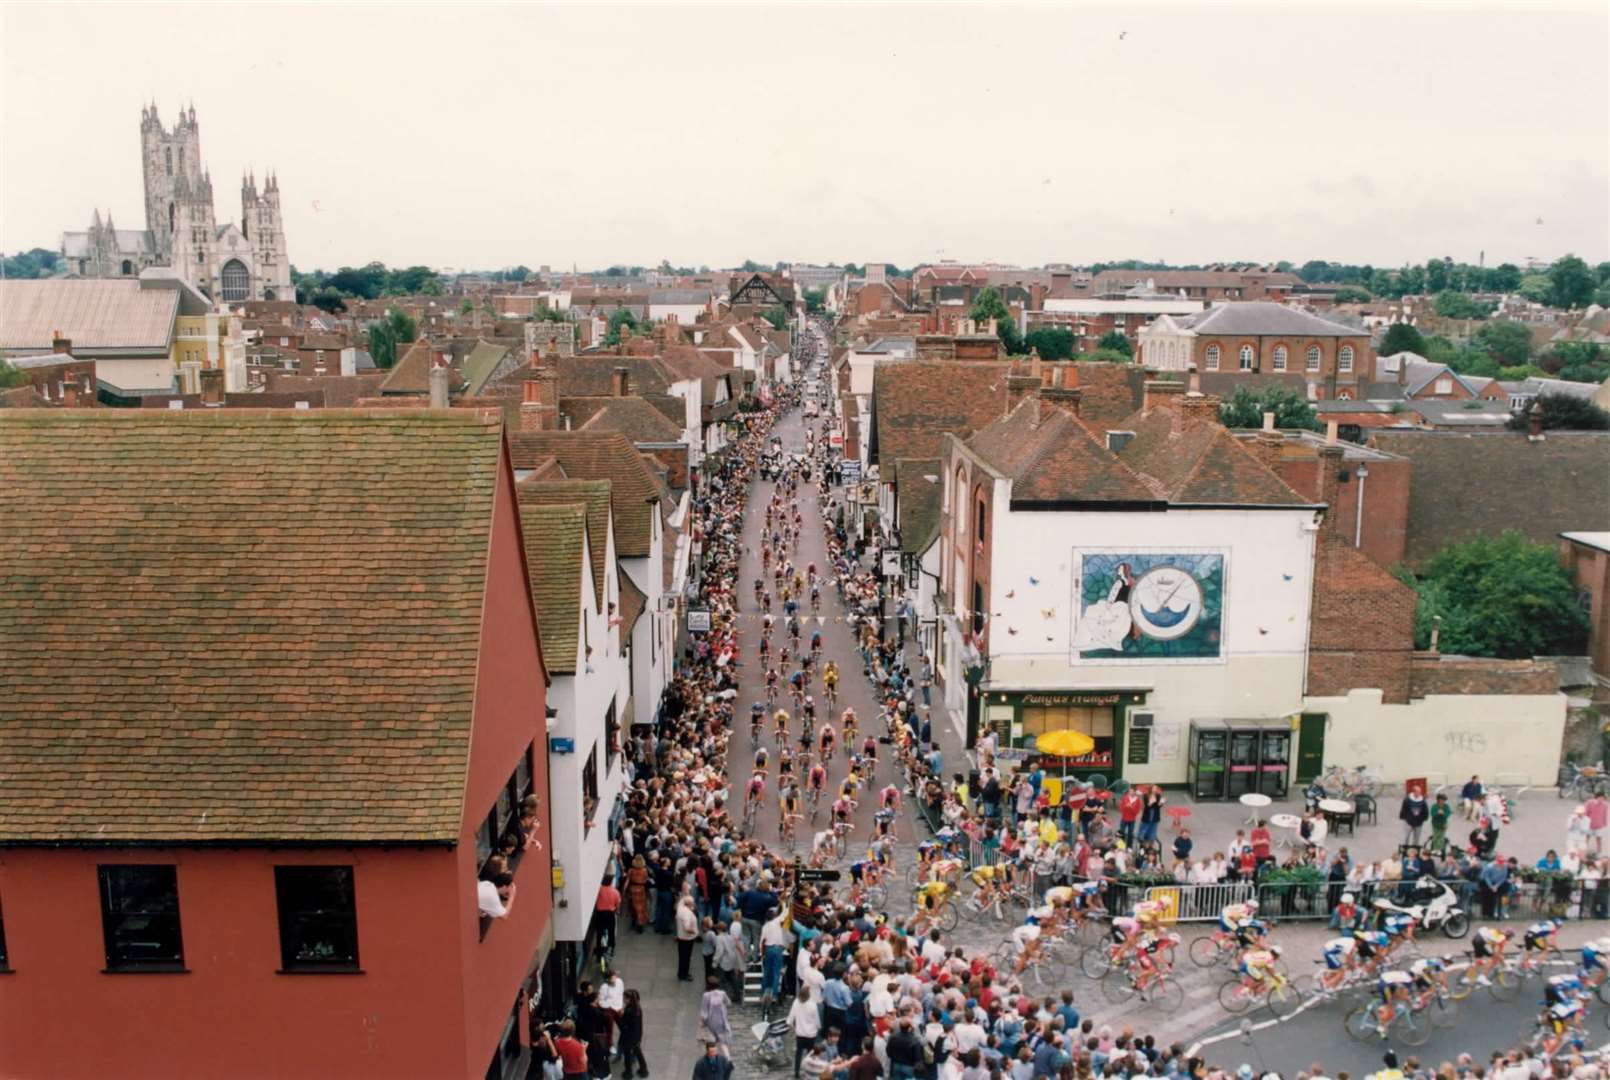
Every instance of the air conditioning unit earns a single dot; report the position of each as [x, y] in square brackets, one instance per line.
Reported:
[1142, 719]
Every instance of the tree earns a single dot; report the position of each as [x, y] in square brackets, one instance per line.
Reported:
[397, 328]
[365, 281]
[1502, 596]
[33, 263]
[1455, 305]
[1401, 337]
[1571, 283]
[1116, 341]
[466, 307]
[815, 300]
[1535, 287]
[1436, 275]
[777, 315]
[1468, 361]
[989, 305]
[1578, 361]
[1506, 277]
[1507, 342]
[618, 318]
[10, 376]
[1246, 408]
[1050, 342]
[325, 299]
[1352, 295]
[1412, 279]
[1563, 412]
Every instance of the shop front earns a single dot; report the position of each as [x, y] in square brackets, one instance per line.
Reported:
[1020, 717]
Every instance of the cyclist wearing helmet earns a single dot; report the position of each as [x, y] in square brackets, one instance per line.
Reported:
[1394, 987]
[1541, 938]
[1488, 947]
[1234, 914]
[1026, 940]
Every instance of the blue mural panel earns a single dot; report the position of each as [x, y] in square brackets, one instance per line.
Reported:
[1157, 605]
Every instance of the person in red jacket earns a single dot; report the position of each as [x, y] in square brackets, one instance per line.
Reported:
[1130, 805]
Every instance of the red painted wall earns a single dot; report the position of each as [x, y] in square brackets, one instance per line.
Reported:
[433, 997]
[510, 709]
[231, 1014]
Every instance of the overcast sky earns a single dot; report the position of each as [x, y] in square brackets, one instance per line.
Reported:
[481, 136]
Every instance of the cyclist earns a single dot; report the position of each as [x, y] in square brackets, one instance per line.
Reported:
[825, 737]
[781, 718]
[765, 651]
[1257, 969]
[1399, 925]
[1341, 958]
[754, 792]
[757, 713]
[1488, 947]
[788, 813]
[830, 678]
[1231, 916]
[1430, 977]
[810, 709]
[864, 874]
[1563, 1011]
[1591, 969]
[1394, 987]
[1151, 957]
[1026, 940]
[1540, 939]
[815, 784]
[990, 879]
[1372, 948]
[760, 760]
[1250, 933]
[848, 722]
[785, 764]
[1149, 913]
[929, 897]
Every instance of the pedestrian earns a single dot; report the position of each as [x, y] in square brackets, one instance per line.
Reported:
[637, 882]
[1598, 820]
[1151, 815]
[604, 912]
[714, 1065]
[631, 1036]
[687, 932]
[572, 1052]
[1182, 846]
[1413, 813]
[1130, 804]
[805, 1019]
[926, 682]
[1440, 813]
[1471, 797]
[713, 1016]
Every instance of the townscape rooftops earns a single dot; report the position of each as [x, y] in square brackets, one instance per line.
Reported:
[1265, 318]
[915, 404]
[920, 482]
[593, 496]
[210, 616]
[633, 417]
[94, 314]
[600, 455]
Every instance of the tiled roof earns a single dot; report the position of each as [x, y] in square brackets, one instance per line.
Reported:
[591, 494]
[340, 391]
[556, 543]
[480, 364]
[93, 314]
[919, 502]
[634, 418]
[1263, 317]
[915, 404]
[1481, 483]
[633, 603]
[1052, 458]
[1200, 462]
[411, 373]
[232, 625]
[600, 455]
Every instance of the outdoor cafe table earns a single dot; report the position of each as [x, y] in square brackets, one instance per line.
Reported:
[1254, 802]
[1338, 813]
[1287, 821]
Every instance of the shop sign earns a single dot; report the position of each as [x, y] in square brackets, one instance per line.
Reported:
[698, 621]
[1088, 698]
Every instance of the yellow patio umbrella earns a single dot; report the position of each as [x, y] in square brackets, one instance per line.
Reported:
[1064, 743]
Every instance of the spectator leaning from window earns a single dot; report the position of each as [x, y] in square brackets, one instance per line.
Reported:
[496, 893]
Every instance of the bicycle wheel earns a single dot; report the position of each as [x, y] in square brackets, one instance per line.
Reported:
[1116, 986]
[1096, 960]
[1283, 999]
[1361, 1022]
[1413, 1027]
[1442, 1011]
[877, 897]
[1233, 998]
[1603, 993]
[1205, 951]
[1506, 985]
[948, 917]
[1167, 995]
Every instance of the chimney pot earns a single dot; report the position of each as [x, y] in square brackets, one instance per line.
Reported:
[620, 381]
[1195, 380]
[1534, 421]
[59, 344]
[1330, 432]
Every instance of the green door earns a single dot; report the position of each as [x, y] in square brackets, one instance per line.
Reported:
[1311, 746]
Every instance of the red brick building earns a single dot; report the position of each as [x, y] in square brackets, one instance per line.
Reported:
[1255, 342]
[271, 694]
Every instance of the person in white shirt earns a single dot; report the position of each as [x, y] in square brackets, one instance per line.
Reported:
[805, 1018]
[968, 1033]
[495, 896]
[612, 994]
[932, 951]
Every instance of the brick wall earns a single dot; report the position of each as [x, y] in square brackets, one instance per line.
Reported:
[1386, 502]
[1361, 631]
[1589, 568]
[1430, 674]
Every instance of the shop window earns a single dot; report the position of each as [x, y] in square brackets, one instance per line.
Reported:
[140, 918]
[1097, 722]
[318, 918]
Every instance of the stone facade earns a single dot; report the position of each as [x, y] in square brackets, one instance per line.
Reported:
[231, 263]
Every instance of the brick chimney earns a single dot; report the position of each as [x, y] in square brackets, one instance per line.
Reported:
[1065, 398]
[212, 387]
[1534, 422]
[539, 406]
[59, 344]
[69, 392]
[438, 388]
[1019, 387]
[1330, 469]
[1195, 405]
[620, 382]
[1267, 445]
[1161, 394]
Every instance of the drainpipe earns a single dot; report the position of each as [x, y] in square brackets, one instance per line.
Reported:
[1358, 516]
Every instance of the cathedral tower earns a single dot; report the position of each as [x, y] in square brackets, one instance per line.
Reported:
[171, 162]
[261, 221]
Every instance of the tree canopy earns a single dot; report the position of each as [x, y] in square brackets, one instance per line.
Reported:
[777, 315]
[10, 376]
[397, 328]
[1578, 361]
[1505, 341]
[368, 282]
[815, 300]
[1571, 283]
[33, 263]
[987, 305]
[1501, 596]
[1115, 341]
[1564, 412]
[1246, 408]
[1050, 342]
[1456, 305]
[1401, 337]
[618, 318]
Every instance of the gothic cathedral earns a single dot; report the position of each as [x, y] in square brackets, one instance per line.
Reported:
[229, 263]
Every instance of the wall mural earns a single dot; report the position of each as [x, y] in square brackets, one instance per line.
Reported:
[1159, 605]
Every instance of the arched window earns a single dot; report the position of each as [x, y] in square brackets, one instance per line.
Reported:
[237, 281]
[1246, 358]
[1280, 358]
[1212, 358]
[128, 268]
[168, 153]
[173, 220]
[1344, 359]
[1313, 358]
[268, 294]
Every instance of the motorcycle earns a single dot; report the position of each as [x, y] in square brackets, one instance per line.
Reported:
[1434, 906]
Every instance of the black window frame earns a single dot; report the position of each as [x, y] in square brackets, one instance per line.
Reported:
[978, 608]
[612, 738]
[112, 921]
[286, 878]
[589, 791]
